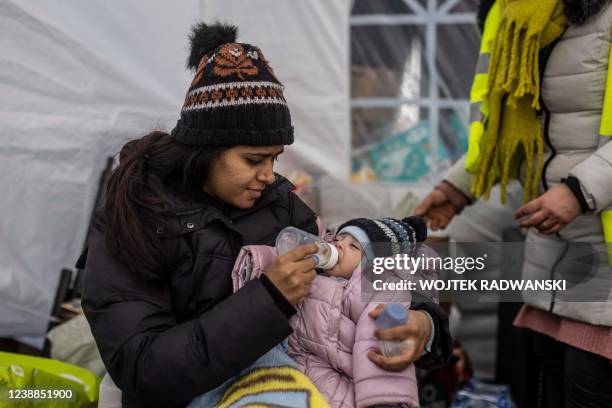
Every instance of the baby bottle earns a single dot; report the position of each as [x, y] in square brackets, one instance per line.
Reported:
[291, 237]
[392, 315]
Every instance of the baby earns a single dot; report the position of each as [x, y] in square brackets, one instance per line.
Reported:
[332, 332]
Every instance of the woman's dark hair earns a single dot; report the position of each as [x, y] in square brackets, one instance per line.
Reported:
[135, 198]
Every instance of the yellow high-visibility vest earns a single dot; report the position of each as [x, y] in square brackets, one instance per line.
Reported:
[606, 114]
[479, 110]
[479, 107]
[605, 130]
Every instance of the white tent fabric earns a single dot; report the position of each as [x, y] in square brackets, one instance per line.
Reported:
[78, 79]
[307, 44]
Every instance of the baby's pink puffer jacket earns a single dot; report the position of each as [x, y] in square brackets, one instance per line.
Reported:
[332, 334]
[331, 338]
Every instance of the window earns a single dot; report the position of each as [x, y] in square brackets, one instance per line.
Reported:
[412, 63]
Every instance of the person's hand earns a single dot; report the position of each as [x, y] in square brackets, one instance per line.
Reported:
[293, 272]
[551, 211]
[436, 209]
[416, 330]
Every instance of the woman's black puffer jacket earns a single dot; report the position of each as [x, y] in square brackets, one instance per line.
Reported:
[166, 342]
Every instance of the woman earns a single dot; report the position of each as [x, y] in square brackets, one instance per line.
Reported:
[177, 210]
[542, 118]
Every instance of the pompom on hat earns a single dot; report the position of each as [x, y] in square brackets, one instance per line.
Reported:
[234, 98]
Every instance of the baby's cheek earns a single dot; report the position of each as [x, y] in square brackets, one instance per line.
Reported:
[346, 271]
[341, 270]
[357, 259]
[335, 271]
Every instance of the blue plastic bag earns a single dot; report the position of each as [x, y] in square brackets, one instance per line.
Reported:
[477, 394]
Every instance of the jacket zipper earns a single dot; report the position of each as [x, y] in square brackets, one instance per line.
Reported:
[546, 135]
[548, 143]
[545, 56]
[546, 112]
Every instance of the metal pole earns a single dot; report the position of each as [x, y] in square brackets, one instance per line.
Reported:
[430, 50]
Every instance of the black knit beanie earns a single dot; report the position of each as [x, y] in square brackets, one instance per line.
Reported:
[234, 98]
[390, 236]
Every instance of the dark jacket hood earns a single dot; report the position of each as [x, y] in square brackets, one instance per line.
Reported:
[576, 11]
[204, 208]
[579, 11]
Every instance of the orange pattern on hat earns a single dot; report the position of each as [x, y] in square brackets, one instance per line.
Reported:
[200, 70]
[232, 59]
[267, 64]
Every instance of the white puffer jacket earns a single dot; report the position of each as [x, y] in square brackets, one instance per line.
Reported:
[573, 88]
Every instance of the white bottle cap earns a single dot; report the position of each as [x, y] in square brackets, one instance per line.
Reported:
[333, 258]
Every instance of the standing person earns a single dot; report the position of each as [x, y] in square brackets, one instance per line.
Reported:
[157, 288]
[542, 112]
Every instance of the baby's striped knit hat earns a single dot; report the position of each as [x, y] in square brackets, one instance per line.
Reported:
[386, 236]
[234, 98]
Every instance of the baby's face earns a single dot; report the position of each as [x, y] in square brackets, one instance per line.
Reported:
[349, 256]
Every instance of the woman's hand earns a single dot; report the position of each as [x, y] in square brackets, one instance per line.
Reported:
[551, 211]
[416, 330]
[437, 210]
[293, 272]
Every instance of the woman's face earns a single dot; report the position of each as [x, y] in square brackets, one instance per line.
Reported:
[239, 176]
